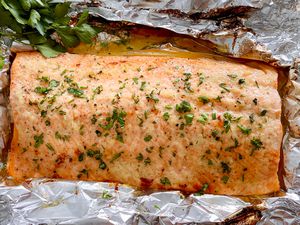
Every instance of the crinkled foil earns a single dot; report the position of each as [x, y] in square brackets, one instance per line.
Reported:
[262, 30]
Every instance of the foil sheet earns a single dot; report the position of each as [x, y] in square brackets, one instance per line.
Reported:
[262, 30]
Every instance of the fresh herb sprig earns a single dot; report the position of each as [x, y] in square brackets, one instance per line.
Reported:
[38, 21]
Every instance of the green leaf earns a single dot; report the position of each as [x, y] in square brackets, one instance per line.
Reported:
[38, 3]
[26, 4]
[34, 21]
[61, 9]
[85, 33]
[36, 39]
[67, 37]
[83, 18]
[48, 51]
[14, 8]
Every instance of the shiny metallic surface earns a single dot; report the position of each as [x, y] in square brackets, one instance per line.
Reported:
[262, 30]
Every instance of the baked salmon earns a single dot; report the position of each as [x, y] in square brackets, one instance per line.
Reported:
[206, 124]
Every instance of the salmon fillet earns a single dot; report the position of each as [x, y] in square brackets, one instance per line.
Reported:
[202, 124]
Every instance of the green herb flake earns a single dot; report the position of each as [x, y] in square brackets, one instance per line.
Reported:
[202, 190]
[244, 129]
[94, 119]
[188, 118]
[256, 143]
[263, 112]
[38, 140]
[148, 138]
[203, 118]
[97, 91]
[102, 165]
[53, 83]
[201, 79]
[135, 80]
[224, 87]
[168, 107]
[166, 116]
[116, 156]
[119, 137]
[225, 179]
[214, 116]
[106, 195]
[42, 90]
[204, 99]
[183, 107]
[147, 161]
[165, 181]
[241, 81]
[43, 113]
[143, 85]
[50, 147]
[251, 118]
[140, 157]
[47, 123]
[81, 157]
[152, 97]
[255, 101]
[75, 92]
[215, 135]
[135, 98]
[225, 167]
[232, 76]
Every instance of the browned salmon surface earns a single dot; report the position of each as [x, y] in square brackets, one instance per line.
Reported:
[193, 124]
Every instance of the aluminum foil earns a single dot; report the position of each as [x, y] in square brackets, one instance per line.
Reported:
[262, 30]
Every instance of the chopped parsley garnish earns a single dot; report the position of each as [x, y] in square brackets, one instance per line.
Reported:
[42, 90]
[202, 190]
[106, 195]
[76, 92]
[143, 85]
[152, 97]
[183, 107]
[251, 118]
[147, 138]
[53, 83]
[228, 118]
[225, 179]
[225, 167]
[116, 117]
[38, 140]
[94, 119]
[215, 134]
[214, 116]
[256, 84]
[135, 98]
[102, 165]
[244, 130]
[218, 98]
[61, 137]
[201, 79]
[90, 153]
[255, 101]
[233, 76]
[203, 118]
[135, 80]
[97, 91]
[43, 113]
[50, 147]
[119, 137]
[166, 116]
[147, 161]
[188, 118]
[81, 157]
[204, 99]
[168, 107]
[230, 148]
[47, 123]
[241, 81]
[187, 84]
[263, 112]
[224, 87]
[165, 181]
[256, 143]
[140, 157]
[116, 156]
